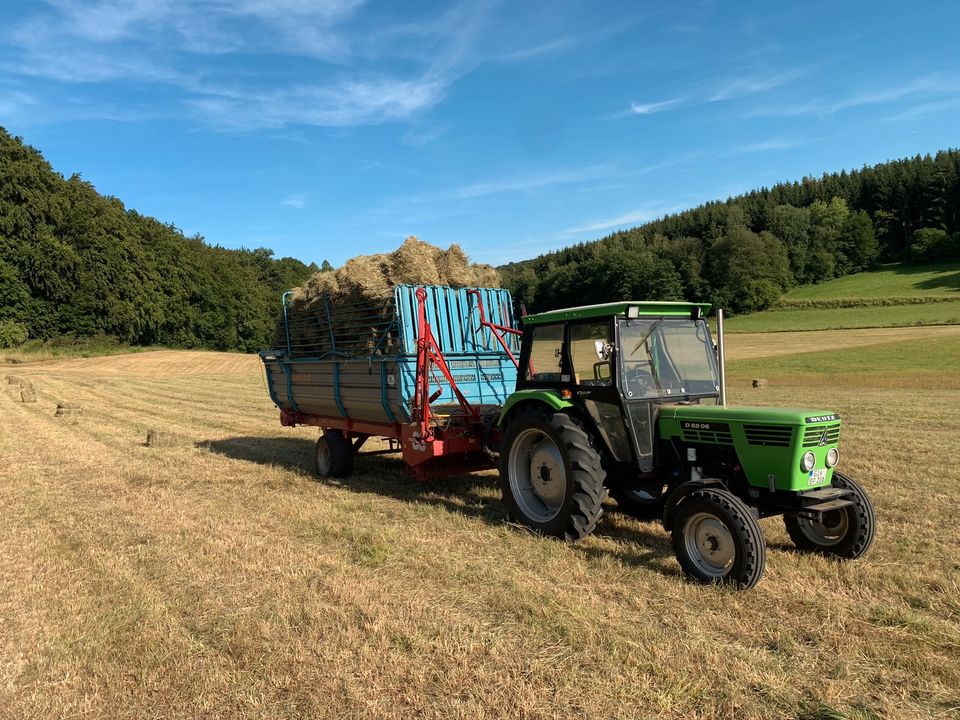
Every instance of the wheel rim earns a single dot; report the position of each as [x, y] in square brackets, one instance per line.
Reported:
[829, 531]
[324, 457]
[537, 475]
[709, 544]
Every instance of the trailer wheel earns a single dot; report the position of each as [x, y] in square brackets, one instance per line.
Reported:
[550, 474]
[846, 533]
[643, 499]
[333, 455]
[717, 539]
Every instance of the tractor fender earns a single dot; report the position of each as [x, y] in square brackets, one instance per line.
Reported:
[680, 493]
[549, 398]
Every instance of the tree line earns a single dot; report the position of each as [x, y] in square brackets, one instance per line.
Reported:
[76, 263]
[745, 252]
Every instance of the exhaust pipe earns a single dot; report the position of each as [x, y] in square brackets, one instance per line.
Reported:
[722, 400]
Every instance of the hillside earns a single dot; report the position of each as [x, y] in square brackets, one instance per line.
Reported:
[746, 252]
[892, 296]
[76, 263]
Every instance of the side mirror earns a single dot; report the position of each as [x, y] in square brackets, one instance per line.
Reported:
[603, 349]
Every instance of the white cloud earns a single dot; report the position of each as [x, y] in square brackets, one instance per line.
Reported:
[363, 69]
[654, 107]
[762, 146]
[753, 85]
[627, 219]
[297, 200]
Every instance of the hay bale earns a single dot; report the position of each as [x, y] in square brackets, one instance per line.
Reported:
[154, 438]
[68, 410]
[27, 393]
[759, 383]
[13, 380]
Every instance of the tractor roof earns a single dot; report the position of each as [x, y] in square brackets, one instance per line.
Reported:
[623, 308]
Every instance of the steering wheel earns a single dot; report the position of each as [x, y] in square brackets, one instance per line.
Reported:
[639, 380]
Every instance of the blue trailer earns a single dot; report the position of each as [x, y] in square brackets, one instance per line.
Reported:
[428, 370]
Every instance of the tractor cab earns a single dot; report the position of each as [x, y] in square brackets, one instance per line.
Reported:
[622, 361]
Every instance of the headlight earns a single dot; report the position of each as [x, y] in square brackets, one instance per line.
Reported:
[809, 461]
[833, 457]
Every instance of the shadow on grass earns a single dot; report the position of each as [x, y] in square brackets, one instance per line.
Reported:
[947, 278]
[464, 494]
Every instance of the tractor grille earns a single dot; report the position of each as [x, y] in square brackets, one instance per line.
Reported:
[717, 437]
[769, 435]
[813, 435]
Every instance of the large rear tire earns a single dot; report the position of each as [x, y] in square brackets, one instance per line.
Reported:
[333, 455]
[717, 539]
[550, 474]
[846, 533]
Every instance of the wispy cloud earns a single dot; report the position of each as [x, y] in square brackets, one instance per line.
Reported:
[762, 146]
[297, 200]
[753, 84]
[730, 88]
[654, 107]
[366, 69]
[627, 219]
[935, 84]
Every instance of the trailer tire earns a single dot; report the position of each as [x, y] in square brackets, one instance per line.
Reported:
[717, 539]
[333, 455]
[845, 534]
[564, 497]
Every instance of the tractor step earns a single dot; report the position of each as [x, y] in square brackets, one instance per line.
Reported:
[826, 493]
[827, 506]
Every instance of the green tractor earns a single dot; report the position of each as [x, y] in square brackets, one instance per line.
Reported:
[628, 399]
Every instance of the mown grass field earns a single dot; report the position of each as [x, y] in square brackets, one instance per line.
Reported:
[214, 577]
[893, 296]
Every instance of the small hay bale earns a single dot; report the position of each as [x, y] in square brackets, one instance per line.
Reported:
[154, 438]
[759, 383]
[27, 393]
[68, 410]
[14, 380]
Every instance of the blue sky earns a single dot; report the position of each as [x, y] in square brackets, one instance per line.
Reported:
[329, 128]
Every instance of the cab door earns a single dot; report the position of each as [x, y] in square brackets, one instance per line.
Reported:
[592, 359]
[637, 388]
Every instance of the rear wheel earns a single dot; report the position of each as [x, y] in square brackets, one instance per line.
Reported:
[333, 455]
[846, 533]
[717, 539]
[550, 474]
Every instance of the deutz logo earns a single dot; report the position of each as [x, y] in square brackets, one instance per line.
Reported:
[823, 438]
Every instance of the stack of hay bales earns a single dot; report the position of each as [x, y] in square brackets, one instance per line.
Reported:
[364, 285]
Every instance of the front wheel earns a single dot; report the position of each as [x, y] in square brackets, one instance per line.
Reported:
[846, 533]
[717, 539]
[550, 474]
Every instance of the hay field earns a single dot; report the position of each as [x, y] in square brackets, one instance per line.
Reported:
[213, 577]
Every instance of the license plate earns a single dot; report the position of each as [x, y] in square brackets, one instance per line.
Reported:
[816, 477]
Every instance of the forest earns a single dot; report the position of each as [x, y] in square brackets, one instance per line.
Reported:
[745, 252]
[74, 263]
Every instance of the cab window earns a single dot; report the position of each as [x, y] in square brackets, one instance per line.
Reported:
[591, 353]
[546, 353]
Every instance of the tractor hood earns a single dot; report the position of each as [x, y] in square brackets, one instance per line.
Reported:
[747, 414]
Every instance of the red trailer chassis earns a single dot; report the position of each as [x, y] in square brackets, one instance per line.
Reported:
[431, 445]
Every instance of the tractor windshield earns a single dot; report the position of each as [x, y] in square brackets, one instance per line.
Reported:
[667, 357]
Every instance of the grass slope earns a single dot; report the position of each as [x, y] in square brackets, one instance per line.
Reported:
[900, 280]
[895, 296]
[213, 576]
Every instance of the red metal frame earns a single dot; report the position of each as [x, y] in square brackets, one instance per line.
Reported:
[495, 328]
